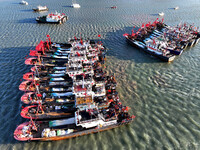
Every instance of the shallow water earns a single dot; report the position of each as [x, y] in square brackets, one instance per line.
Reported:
[163, 96]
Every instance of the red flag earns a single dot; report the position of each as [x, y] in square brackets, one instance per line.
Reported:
[132, 116]
[81, 42]
[143, 25]
[162, 20]
[33, 53]
[154, 42]
[125, 34]
[111, 100]
[49, 38]
[38, 48]
[47, 44]
[147, 25]
[39, 95]
[78, 53]
[75, 38]
[127, 108]
[132, 32]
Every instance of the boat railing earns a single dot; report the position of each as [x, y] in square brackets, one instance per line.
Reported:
[87, 121]
[98, 129]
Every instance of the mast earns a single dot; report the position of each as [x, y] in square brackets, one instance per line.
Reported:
[37, 71]
[33, 123]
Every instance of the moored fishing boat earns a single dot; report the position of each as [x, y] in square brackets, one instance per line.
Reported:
[45, 61]
[47, 76]
[161, 14]
[33, 86]
[24, 2]
[55, 18]
[113, 7]
[40, 8]
[85, 122]
[44, 68]
[175, 8]
[75, 5]
[34, 98]
[48, 111]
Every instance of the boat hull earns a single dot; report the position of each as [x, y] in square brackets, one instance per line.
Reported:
[71, 135]
[192, 42]
[176, 52]
[43, 20]
[37, 10]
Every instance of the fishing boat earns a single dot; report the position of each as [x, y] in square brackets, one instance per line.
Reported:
[48, 111]
[55, 18]
[175, 8]
[84, 122]
[26, 86]
[43, 68]
[161, 14]
[47, 76]
[75, 5]
[49, 49]
[113, 7]
[34, 98]
[24, 2]
[49, 87]
[40, 8]
[46, 61]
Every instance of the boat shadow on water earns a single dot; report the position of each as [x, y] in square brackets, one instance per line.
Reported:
[68, 6]
[155, 15]
[15, 3]
[28, 20]
[119, 48]
[26, 10]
